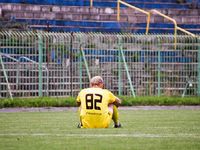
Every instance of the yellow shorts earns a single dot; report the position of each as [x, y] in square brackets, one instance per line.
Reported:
[96, 121]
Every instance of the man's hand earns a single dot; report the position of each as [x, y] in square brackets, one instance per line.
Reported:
[117, 102]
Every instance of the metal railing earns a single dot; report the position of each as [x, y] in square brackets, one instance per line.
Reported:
[91, 3]
[170, 19]
[175, 25]
[130, 64]
[148, 13]
[135, 8]
[149, 18]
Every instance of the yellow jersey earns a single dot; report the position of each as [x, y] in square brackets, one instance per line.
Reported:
[94, 107]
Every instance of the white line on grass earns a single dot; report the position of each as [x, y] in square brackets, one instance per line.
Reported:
[136, 135]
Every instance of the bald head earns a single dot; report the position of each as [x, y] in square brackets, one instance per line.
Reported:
[96, 81]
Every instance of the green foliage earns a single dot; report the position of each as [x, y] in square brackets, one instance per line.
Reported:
[154, 100]
[38, 102]
[70, 101]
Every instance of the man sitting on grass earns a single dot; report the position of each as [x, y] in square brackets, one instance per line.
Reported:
[98, 106]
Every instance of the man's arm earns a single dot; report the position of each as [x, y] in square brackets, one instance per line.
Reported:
[117, 102]
[78, 100]
[78, 104]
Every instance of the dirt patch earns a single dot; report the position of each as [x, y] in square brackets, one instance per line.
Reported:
[57, 109]
[161, 108]
[38, 109]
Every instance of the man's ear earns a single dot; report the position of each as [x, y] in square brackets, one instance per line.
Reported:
[102, 85]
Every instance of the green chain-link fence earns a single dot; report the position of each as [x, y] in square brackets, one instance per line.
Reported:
[60, 64]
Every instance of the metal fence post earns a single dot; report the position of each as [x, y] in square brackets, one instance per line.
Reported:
[40, 46]
[85, 62]
[126, 69]
[80, 68]
[198, 86]
[71, 61]
[159, 64]
[6, 77]
[119, 70]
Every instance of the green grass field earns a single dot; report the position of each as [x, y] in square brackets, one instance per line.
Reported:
[142, 130]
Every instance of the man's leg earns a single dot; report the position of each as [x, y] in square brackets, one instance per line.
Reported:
[115, 115]
[80, 125]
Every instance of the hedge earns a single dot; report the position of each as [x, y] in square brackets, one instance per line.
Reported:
[70, 101]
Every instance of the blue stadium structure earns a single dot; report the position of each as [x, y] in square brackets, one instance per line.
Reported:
[77, 16]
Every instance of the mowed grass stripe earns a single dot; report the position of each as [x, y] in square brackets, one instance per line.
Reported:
[141, 135]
